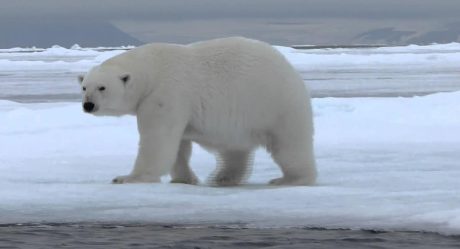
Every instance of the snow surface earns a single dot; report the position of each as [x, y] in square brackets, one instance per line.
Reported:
[384, 163]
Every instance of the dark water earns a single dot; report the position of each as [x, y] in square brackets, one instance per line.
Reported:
[209, 236]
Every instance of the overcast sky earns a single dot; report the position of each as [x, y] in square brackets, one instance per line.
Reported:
[277, 21]
[216, 9]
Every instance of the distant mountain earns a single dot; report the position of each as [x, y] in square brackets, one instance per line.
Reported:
[393, 36]
[383, 36]
[48, 31]
[45, 33]
[451, 33]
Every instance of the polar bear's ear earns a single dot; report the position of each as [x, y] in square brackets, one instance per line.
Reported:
[81, 77]
[125, 78]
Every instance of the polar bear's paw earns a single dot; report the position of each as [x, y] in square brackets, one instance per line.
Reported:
[292, 181]
[134, 179]
[191, 180]
[225, 181]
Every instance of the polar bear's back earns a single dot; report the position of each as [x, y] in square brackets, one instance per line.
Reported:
[237, 56]
[252, 66]
[233, 61]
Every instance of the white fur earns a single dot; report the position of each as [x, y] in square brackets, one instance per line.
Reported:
[229, 95]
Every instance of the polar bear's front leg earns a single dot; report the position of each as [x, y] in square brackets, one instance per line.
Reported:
[157, 153]
[160, 137]
[181, 172]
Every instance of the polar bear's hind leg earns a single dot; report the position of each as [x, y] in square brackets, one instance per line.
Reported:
[292, 150]
[297, 166]
[232, 167]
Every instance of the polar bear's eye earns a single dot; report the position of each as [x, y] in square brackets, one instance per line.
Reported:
[83, 88]
[102, 88]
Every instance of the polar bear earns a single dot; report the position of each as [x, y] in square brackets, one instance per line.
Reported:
[229, 95]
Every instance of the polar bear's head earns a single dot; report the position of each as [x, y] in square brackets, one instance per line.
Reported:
[107, 90]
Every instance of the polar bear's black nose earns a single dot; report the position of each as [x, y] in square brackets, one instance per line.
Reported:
[88, 106]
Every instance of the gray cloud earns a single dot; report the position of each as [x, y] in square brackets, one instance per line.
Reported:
[218, 9]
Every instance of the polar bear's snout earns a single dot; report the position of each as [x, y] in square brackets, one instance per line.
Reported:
[88, 106]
